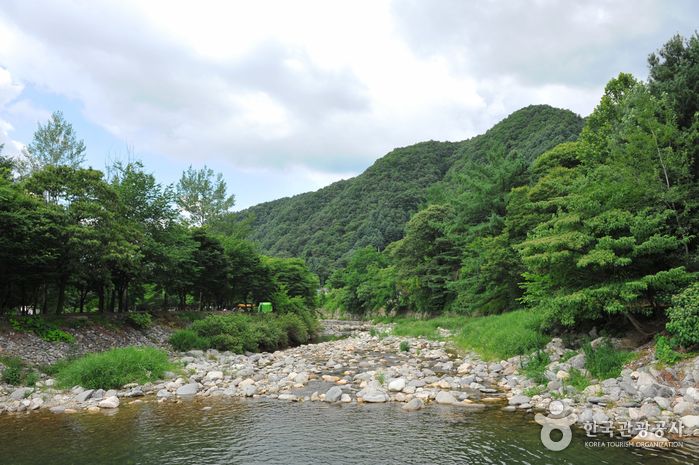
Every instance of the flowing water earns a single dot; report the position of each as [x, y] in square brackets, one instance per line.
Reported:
[275, 432]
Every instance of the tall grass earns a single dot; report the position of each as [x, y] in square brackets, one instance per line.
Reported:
[115, 368]
[493, 336]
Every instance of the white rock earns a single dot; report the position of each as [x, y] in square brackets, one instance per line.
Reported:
[213, 375]
[397, 385]
[109, 402]
[690, 421]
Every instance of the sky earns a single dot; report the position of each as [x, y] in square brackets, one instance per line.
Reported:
[285, 97]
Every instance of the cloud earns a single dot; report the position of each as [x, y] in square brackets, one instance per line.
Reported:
[579, 43]
[143, 85]
[8, 92]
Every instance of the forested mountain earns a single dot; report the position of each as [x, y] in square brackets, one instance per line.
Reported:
[328, 226]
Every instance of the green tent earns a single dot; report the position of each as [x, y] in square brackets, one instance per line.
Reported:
[265, 307]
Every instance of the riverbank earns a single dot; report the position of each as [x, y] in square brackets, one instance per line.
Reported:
[413, 371]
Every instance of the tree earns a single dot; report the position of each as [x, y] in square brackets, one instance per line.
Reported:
[203, 196]
[622, 235]
[55, 145]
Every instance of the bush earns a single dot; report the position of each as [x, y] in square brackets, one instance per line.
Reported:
[605, 362]
[14, 371]
[140, 320]
[294, 328]
[46, 330]
[405, 346]
[227, 332]
[535, 367]
[186, 339]
[577, 380]
[191, 317]
[664, 352]
[115, 368]
[684, 316]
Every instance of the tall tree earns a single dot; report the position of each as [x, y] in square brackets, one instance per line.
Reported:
[203, 195]
[55, 144]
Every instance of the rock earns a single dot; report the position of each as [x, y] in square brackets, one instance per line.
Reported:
[315, 397]
[301, 379]
[84, 396]
[374, 396]
[684, 408]
[414, 405]
[397, 385]
[417, 383]
[245, 383]
[19, 394]
[645, 379]
[636, 414]
[214, 375]
[586, 416]
[346, 399]
[577, 362]
[651, 410]
[287, 397]
[249, 391]
[563, 375]
[663, 402]
[600, 417]
[187, 390]
[109, 402]
[554, 385]
[651, 440]
[57, 409]
[137, 393]
[516, 400]
[164, 393]
[334, 394]
[110, 393]
[690, 421]
[509, 408]
[444, 397]
[628, 388]
[464, 368]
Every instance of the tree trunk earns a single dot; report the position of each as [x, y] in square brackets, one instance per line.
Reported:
[61, 294]
[45, 301]
[201, 300]
[100, 298]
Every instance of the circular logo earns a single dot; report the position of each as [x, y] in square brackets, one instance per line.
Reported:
[556, 407]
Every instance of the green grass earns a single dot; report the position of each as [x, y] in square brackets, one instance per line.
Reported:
[577, 380]
[535, 367]
[115, 368]
[495, 337]
[607, 361]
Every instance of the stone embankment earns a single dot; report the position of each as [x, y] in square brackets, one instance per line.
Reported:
[366, 369]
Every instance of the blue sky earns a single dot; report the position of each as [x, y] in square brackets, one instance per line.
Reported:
[286, 97]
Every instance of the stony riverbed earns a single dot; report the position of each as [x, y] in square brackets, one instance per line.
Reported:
[368, 369]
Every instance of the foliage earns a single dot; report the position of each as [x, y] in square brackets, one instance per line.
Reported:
[186, 340]
[606, 361]
[140, 320]
[578, 380]
[54, 144]
[664, 352]
[405, 346]
[535, 367]
[46, 330]
[202, 196]
[115, 368]
[14, 371]
[684, 316]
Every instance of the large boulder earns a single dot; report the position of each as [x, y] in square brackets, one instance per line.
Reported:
[517, 400]
[109, 402]
[21, 393]
[84, 396]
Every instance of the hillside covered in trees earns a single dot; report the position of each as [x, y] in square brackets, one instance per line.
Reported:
[329, 226]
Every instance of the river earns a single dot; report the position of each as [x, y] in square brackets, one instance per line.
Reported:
[258, 431]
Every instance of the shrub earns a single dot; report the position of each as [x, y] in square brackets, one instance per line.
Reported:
[577, 380]
[31, 379]
[115, 368]
[535, 367]
[140, 320]
[605, 362]
[294, 328]
[227, 332]
[269, 335]
[664, 352]
[46, 330]
[186, 339]
[14, 369]
[191, 317]
[684, 316]
[405, 346]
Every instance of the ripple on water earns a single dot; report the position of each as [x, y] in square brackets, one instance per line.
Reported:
[273, 432]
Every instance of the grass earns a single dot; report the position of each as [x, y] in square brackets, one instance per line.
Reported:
[535, 367]
[607, 361]
[495, 337]
[577, 380]
[405, 346]
[115, 368]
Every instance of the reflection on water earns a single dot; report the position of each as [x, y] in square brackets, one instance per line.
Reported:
[275, 432]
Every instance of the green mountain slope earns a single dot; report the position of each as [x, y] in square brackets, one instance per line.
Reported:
[326, 227]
